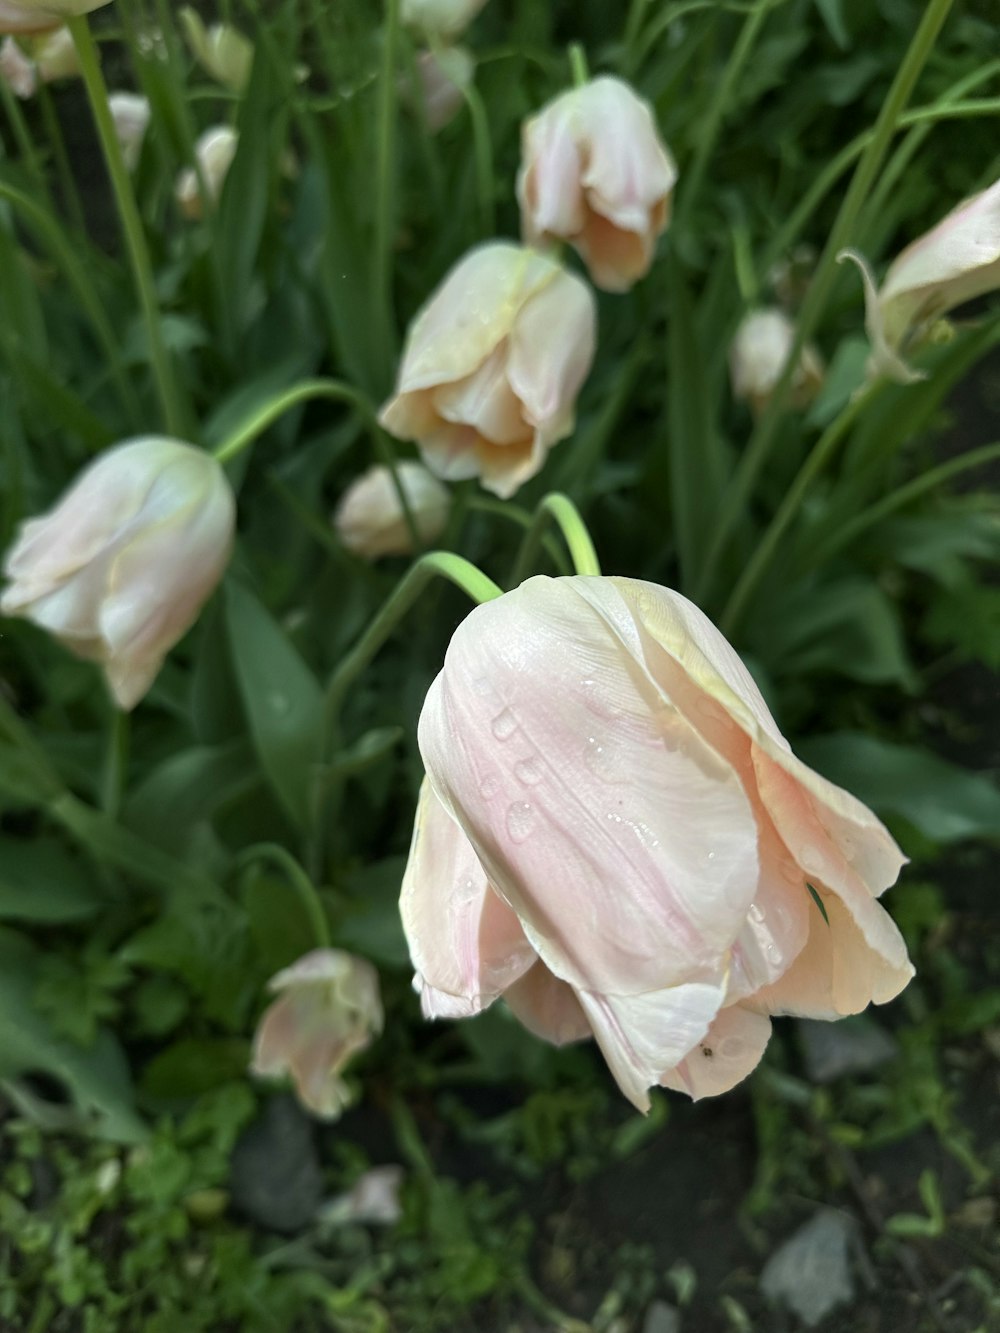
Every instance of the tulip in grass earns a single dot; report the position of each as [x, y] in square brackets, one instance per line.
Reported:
[441, 78]
[759, 353]
[614, 836]
[328, 1009]
[221, 50]
[120, 568]
[955, 261]
[55, 56]
[17, 69]
[440, 18]
[131, 114]
[30, 16]
[492, 367]
[214, 151]
[370, 521]
[595, 172]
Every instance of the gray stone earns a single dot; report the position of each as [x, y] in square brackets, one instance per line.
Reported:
[661, 1318]
[851, 1046]
[810, 1274]
[275, 1177]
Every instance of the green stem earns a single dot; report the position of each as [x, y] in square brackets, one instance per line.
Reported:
[578, 64]
[67, 183]
[633, 27]
[763, 437]
[299, 880]
[384, 146]
[128, 213]
[691, 180]
[513, 513]
[483, 149]
[816, 460]
[899, 499]
[25, 144]
[115, 763]
[560, 510]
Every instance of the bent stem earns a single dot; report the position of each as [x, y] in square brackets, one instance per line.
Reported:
[299, 880]
[578, 64]
[128, 214]
[384, 145]
[560, 510]
[765, 432]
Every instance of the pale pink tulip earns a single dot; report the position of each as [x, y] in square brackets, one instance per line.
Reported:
[29, 16]
[949, 265]
[492, 367]
[328, 1009]
[215, 151]
[370, 521]
[441, 78]
[222, 50]
[17, 69]
[131, 114]
[595, 172]
[759, 353]
[614, 836]
[55, 56]
[440, 18]
[120, 568]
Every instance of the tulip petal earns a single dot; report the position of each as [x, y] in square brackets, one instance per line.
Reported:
[547, 1007]
[485, 401]
[548, 186]
[729, 1051]
[465, 943]
[551, 348]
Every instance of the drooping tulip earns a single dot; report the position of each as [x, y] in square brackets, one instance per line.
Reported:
[31, 16]
[955, 261]
[119, 569]
[131, 115]
[441, 78]
[221, 50]
[17, 69]
[440, 18]
[596, 173]
[615, 837]
[759, 353]
[55, 56]
[214, 151]
[370, 520]
[328, 1009]
[492, 366]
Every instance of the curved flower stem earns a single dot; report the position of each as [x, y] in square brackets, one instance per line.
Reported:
[560, 510]
[128, 213]
[899, 498]
[820, 454]
[299, 880]
[384, 147]
[759, 446]
[578, 64]
[483, 148]
[340, 392]
[523, 518]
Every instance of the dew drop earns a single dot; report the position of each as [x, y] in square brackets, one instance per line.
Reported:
[729, 1048]
[520, 820]
[529, 771]
[756, 914]
[602, 760]
[812, 860]
[504, 725]
[489, 787]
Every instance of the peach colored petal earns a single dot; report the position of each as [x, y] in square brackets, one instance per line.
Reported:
[547, 1007]
[729, 1051]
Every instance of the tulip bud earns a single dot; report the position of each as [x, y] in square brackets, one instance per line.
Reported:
[17, 70]
[442, 77]
[327, 1011]
[440, 18]
[120, 568]
[949, 265]
[215, 151]
[131, 115]
[221, 50]
[55, 56]
[614, 836]
[29, 16]
[757, 358]
[595, 172]
[492, 366]
[370, 519]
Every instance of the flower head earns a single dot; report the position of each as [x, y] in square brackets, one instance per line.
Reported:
[221, 50]
[328, 1009]
[131, 114]
[760, 351]
[120, 568]
[614, 836]
[441, 79]
[215, 151]
[440, 18]
[492, 367]
[17, 69]
[595, 172]
[370, 519]
[30, 16]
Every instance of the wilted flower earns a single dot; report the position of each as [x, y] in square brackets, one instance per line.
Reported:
[221, 50]
[492, 366]
[759, 353]
[328, 1009]
[215, 151]
[17, 69]
[441, 78]
[120, 568]
[29, 16]
[615, 837]
[55, 56]
[131, 115]
[440, 18]
[372, 1201]
[370, 519]
[952, 263]
[595, 172]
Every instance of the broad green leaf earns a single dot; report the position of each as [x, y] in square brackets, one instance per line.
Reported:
[371, 922]
[187, 789]
[40, 881]
[832, 12]
[279, 923]
[194, 1065]
[281, 697]
[943, 802]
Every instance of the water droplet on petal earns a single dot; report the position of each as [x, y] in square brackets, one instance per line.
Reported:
[520, 820]
[504, 725]
[812, 860]
[529, 771]
[489, 787]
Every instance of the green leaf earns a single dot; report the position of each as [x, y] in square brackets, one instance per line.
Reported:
[193, 1066]
[832, 12]
[187, 789]
[967, 617]
[281, 697]
[943, 802]
[40, 881]
[371, 924]
[279, 923]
